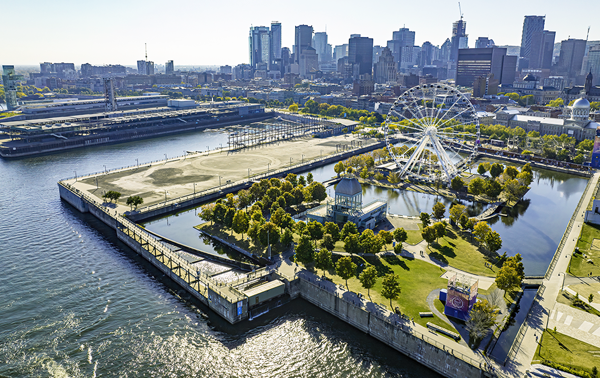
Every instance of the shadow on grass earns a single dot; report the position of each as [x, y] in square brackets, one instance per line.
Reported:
[394, 260]
[382, 269]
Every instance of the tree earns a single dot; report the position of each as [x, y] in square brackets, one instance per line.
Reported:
[332, 229]
[457, 183]
[456, 212]
[393, 178]
[438, 210]
[134, 201]
[492, 188]
[352, 244]
[304, 250]
[323, 260]
[579, 159]
[512, 190]
[269, 234]
[293, 108]
[556, 103]
[288, 237]
[317, 191]
[586, 145]
[207, 213]
[112, 195]
[496, 170]
[391, 287]
[425, 219]
[370, 243]
[229, 215]
[241, 222]
[511, 172]
[278, 216]
[345, 268]
[481, 169]
[470, 225]
[220, 211]
[301, 181]
[328, 242]
[480, 230]
[386, 236]
[309, 178]
[440, 230]
[368, 278]
[511, 274]
[244, 199]
[348, 229]
[482, 318]
[315, 229]
[339, 168]
[298, 194]
[476, 186]
[292, 179]
[400, 236]
[493, 241]
[429, 234]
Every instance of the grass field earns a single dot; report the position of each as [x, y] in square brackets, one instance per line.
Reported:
[580, 266]
[567, 351]
[417, 280]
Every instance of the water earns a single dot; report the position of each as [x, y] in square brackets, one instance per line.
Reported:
[507, 337]
[76, 302]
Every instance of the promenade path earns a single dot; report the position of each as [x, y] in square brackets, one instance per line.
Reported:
[540, 312]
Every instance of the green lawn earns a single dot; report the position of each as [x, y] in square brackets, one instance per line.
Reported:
[567, 299]
[417, 280]
[567, 351]
[580, 266]
[459, 253]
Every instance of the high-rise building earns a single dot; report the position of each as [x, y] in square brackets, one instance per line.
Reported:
[542, 44]
[360, 55]
[446, 50]
[302, 40]
[427, 54]
[141, 67]
[385, 69]
[531, 25]
[340, 51]
[484, 42]
[169, 67]
[9, 80]
[259, 46]
[459, 38]
[275, 43]
[319, 43]
[308, 63]
[473, 63]
[402, 45]
[149, 67]
[593, 63]
[570, 60]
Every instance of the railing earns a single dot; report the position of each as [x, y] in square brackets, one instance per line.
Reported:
[565, 236]
[521, 334]
[479, 364]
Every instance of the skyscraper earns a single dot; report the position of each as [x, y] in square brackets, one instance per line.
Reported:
[385, 69]
[275, 43]
[531, 25]
[320, 45]
[340, 51]
[9, 78]
[571, 57]
[302, 40]
[401, 45]
[542, 45]
[484, 42]
[473, 63]
[169, 67]
[459, 38]
[360, 55]
[259, 45]
[141, 66]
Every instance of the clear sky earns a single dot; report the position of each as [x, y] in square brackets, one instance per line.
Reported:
[193, 32]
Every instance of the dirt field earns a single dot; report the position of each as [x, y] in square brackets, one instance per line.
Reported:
[176, 178]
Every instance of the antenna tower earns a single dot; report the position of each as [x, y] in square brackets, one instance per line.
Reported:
[146, 49]
[460, 11]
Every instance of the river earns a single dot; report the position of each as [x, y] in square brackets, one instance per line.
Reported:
[76, 302]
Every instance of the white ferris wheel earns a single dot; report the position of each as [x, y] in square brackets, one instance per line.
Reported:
[440, 128]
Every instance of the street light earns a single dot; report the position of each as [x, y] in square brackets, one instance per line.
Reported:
[165, 158]
[268, 166]
[75, 176]
[249, 173]
[137, 163]
[166, 195]
[194, 188]
[104, 168]
[184, 154]
[219, 181]
[290, 162]
[563, 282]
[221, 144]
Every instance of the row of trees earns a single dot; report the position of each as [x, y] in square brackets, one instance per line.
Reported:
[508, 181]
[313, 107]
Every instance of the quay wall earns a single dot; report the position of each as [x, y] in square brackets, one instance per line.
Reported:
[394, 333]
[219, 298]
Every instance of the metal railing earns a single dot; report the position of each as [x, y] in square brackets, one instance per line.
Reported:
[565, 236]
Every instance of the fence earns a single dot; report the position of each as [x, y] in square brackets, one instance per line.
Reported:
[565, 236]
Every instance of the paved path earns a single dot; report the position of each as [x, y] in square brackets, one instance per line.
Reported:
[575, 323]
[542, 307]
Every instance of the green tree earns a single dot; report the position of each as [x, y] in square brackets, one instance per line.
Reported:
[298, 194]
[393, 178]
[134, 201]
[207, 213]
[317, 191]
[292, 179]
[269, 234]
[309, 178]
[457, 183]
[482, 318]
[293, 108]
[328, 242]
[508, 277]
[493, 241]
[470, 225]
[440, 230]
[339, 168]
[288, 237]
[345, 268]
[112, 195]
[476, 186]
[332, 229]
[352, 244]
[241, 222]
[301, 181]
[481, 169]
[513, 96]
[315, 229]
[456, 212]
[348, 229]
[438, 210]
[429, 234]
[463, 220]
[492, 188]
[323, 260]
[425, 219]
[278, 216]
[511, 172]
[586, 145]
[400, 236]
[556, 103]
[579, 159]
[391, 287]
[496, 170]
[386, 236]
[368, 278]
[244, 199]
[481, 229]
[304, 250]
[229, 215]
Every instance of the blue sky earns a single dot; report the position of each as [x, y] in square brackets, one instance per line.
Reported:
[207, 33]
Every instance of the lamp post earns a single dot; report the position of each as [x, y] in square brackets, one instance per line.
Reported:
[165, 158]
[104, 168]
[137, 163]
[184, 154]
[219, 181]
[290, 162]
[249, 173]
[268, 167]
[563, 281]
[166, 195]
[75, 176]
[194, 188]
[221, 144]
[302, 158]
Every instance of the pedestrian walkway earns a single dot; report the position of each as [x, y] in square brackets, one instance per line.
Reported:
[575, 323]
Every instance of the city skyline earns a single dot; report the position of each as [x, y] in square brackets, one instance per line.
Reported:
[164, 27]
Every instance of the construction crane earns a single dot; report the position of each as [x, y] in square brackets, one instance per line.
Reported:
[460, 11]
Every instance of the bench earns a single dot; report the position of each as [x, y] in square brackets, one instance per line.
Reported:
[439, 329]
[426, 314]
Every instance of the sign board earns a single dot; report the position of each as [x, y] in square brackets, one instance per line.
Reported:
[239, 308]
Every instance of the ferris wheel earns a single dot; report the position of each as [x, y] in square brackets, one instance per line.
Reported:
[440, 129]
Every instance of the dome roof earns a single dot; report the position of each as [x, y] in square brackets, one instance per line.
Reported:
[529, 77]
[581, 103]
[348, 186]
